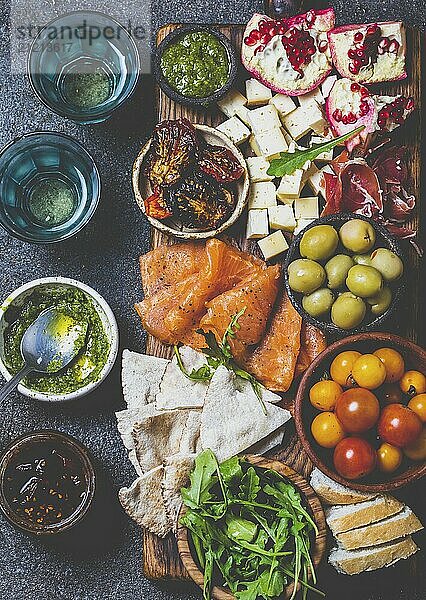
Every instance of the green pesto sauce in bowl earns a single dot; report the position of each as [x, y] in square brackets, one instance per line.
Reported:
[196, 65]
[90, 360]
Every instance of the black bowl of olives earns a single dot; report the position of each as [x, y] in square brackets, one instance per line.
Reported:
[344, 273]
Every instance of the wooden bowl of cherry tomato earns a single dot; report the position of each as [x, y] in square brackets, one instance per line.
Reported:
[360, 412]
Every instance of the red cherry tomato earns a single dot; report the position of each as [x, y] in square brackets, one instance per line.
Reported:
[354, 458]
[399, 425]
[357, 410]
[390, 393]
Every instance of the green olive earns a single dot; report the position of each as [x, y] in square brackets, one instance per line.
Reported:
[305, 275]
[348, 311]
[319, 243]
[381, 302]
[357, 236]
[364, 281]
[362, 259]
[388, 263]
[318, 303]
[337, 270]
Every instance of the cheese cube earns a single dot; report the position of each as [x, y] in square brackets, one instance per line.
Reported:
[257, 93]
[273, 245]
[262, 195]
[315, 117]
[235, 130]
[301, 224]
[309, 172]
[243, 113]
[296, 123]
[290, 186]
[264, 118]
[282, 217]
[310, 97]
[306, 208]
[284, 104]
[327, 85]
[316, 181]
[230, 103]
[257, 224]
[257, 168]
[269, 143]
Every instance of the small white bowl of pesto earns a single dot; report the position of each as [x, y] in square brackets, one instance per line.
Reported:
[94, 360]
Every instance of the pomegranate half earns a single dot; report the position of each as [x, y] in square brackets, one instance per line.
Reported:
[290, 56]
[369, 53]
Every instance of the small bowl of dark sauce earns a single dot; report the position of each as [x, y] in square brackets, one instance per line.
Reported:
[47, 482]
[195, 65]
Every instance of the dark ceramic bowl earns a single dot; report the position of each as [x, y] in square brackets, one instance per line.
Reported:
[304, 412]
[383, 240]
[188, 100]
[40, 441]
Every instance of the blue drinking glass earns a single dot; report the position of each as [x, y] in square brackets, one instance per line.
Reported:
[49, 187]
[83, 66]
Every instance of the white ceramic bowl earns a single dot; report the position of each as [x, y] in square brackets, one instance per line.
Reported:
[172, 226]
[18, 297]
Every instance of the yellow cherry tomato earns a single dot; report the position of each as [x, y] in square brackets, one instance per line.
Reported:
[327, 430]
[323, 395]
[394, 363]
[417, 450]
[418, 405]
[341, 367]
[369, 372]
[388, 458]
[413, 383]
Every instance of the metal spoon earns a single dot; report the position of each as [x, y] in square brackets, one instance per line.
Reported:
[48, 345]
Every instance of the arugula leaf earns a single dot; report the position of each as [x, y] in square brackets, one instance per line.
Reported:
[231, 470]
[250, 484]
[289, 162]
[204, 373]
[240, 529]
[201, 480]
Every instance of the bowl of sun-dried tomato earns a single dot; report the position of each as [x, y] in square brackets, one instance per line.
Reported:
[190, 181]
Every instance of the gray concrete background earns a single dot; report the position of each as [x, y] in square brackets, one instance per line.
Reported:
[103, 559]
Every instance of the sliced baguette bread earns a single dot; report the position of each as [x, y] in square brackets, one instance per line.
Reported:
[353, 562]
[345, 517]
[331, 492]
[402, 524]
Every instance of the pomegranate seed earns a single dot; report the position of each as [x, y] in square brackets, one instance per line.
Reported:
[355, 87]
[323, 45]
[352, 53]
[364, 109]
[399, 120]
[393, 46]
[384, 114]
[337, 115]
[310, 17]
[364, 92]
[372, 29]
[409, 104]
[399, 100]
[353, 69]
[250, 41]
[281, 29]
[260, 48]
[360, 53]
[345, 120]
[351, 118]
[384, 42]
[264, 39]
[358, 37]
[357, 63]
[272, 31]
[381, 50]
[311, 51]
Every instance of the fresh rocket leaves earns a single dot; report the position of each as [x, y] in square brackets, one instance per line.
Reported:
[249, 529]
[289, 162]
[220, 354]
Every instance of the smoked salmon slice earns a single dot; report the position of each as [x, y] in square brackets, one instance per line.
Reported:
[312, 343]
[274, 360]
[257, 294]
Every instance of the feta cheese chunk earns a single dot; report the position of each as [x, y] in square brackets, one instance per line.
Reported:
[269, 143]
[282, 217]
[257, 224]
[301, 224]
[284, 104]
[316, 181]
[296, 123]
[257, 168]
[257, 93]
[231, 102]
[314, 96]
[306, 208]
[315, 117]
[243, 113]
[309, 172]
[262, 195]
[273, 245]
[264, 118]
[290, 186]
[235, 130]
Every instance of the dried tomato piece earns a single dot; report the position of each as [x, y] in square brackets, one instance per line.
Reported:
[172, 151]
[220, 163]
[200, 203]
[156, 207]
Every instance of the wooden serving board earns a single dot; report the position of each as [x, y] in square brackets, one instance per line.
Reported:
[160, 557]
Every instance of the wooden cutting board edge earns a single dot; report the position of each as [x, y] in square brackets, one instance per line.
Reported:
[160, 556]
